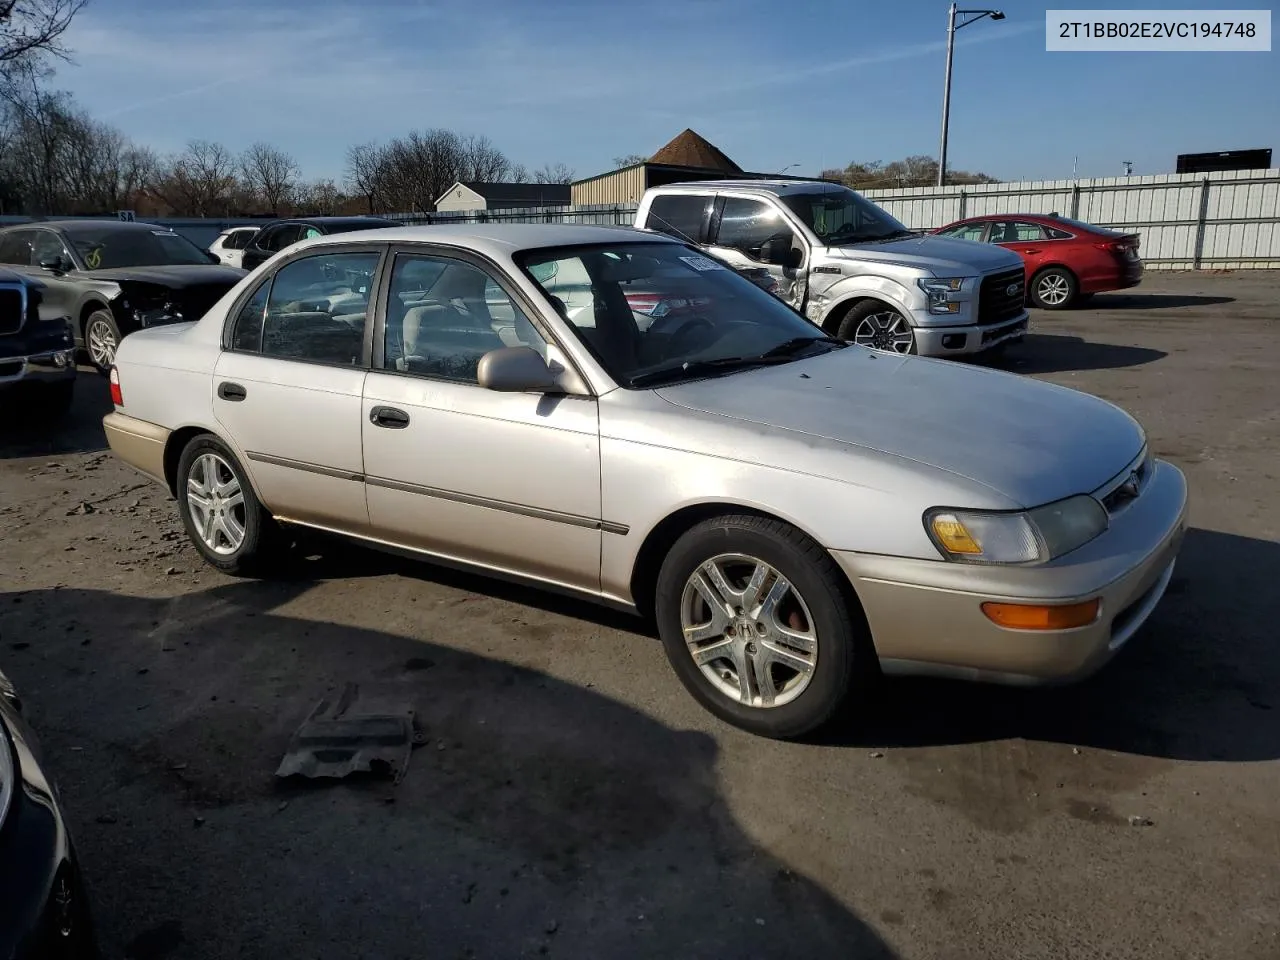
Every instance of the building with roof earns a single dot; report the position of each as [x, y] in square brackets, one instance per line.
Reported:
[503, 196]
[688, 157]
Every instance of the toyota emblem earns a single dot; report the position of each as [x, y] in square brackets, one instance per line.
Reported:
[1012, 289]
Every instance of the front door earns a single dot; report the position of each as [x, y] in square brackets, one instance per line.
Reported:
[288, 392]
[508, 481]
[752, 233]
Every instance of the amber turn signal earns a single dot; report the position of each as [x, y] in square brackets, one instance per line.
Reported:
[1026, 616]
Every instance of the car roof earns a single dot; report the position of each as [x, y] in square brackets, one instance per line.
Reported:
[87, 223]
[495, 238]
[780, 188]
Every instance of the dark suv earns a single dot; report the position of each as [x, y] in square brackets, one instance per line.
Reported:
[37, 349]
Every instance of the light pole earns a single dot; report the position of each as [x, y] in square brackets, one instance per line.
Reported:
[969, 16]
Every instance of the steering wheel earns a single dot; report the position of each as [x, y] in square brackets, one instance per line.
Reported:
[690, 326]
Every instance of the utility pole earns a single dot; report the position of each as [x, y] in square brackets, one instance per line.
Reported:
[1128, 167]
[968, 17]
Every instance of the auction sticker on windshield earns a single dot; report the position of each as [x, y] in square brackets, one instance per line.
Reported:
[702, 263]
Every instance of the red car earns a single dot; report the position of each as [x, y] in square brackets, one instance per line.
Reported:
[1067, 260]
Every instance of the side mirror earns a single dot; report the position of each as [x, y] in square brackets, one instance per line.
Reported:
[516, 370]
[57, 264]
[213, 257]
[794, 259]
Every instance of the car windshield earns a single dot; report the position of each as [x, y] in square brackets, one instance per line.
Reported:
[655, 313]
[107, 249]
[840, 215]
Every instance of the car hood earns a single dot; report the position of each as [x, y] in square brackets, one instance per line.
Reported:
[942, 256]
[1031, 441]
[176, 277]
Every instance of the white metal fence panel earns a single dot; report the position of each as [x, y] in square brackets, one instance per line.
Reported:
[1227, 219]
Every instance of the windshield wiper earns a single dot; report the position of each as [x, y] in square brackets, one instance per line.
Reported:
[698, 368]
[789, 348]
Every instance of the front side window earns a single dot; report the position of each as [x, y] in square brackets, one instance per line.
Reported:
[313, 309]
[46, 247]
[839, 215]
[653, 313]
[756, 229]
[443, 315]
[966, 231]
[106, 248]
[678, 215]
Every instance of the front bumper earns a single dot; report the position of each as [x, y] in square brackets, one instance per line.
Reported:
[926, 616]
[51, 366]
[934, 341]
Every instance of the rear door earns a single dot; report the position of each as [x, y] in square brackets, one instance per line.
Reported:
[288, 388]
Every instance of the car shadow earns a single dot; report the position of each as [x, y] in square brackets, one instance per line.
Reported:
[1150, 301]
[79, 432]
[1200, 681]
[1060, 353]
[540, 817]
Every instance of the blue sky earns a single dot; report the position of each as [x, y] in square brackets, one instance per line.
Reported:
[810, 82]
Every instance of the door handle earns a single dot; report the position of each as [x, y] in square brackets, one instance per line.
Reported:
[231, 391]
[1030, 251]
[388, 417]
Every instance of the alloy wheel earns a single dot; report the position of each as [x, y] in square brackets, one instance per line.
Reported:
[1053, 289]
[101, 341]
[887, 330]
[749, 630]
[217, 504]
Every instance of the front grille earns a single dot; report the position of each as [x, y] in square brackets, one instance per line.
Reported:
[13, 309]
[1129, 489]
[996, 302]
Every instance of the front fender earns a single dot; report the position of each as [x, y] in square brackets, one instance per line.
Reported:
[833, 301]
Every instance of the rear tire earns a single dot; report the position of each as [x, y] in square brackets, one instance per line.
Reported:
[1054, 288]
[227, 524]
[785, 660]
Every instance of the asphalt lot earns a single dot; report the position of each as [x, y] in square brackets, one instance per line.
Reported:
[573, 801]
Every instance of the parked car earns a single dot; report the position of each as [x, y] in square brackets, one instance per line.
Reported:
[795, 511]
[113, 277]
[37, 351]
[1068, 260]
[230, 243]
[44, 914]
[848, 265]
[278, 234]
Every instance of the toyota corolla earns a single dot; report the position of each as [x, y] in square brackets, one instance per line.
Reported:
[797, 513]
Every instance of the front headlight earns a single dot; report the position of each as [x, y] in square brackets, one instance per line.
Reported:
[940, 292]
[1033, 536]
[8, 773]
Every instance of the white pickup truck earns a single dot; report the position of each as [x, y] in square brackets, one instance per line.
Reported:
[849, 266]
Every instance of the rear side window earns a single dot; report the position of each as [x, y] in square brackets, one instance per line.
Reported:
[678, 215]
[238, 239]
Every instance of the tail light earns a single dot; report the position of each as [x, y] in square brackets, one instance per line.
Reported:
[116, 396]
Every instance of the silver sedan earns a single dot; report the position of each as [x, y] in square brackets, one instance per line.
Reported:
[612, 414]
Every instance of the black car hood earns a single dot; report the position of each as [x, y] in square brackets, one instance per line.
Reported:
[175, 277]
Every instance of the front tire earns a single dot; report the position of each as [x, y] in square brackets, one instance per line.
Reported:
[224, 519]
[102, 337]
[878, 326]
[1054, 288]
[756, 623]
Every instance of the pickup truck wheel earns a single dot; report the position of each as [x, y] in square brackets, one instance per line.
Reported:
[878, 326]
[756, 624]
[228, 526]
[101, 338]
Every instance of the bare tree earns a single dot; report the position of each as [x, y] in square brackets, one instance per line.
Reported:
[558, 173]
[32, 27]
[409, 173]
[481, 161]
[321, 198]
[201, 180]
[629, 160]
[271, 173]
[366, 168]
